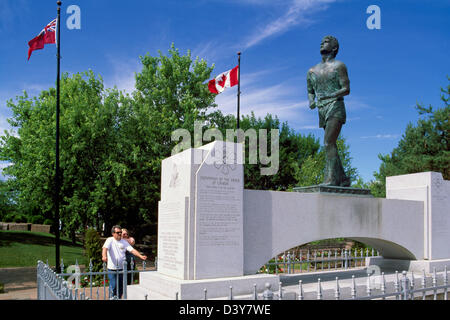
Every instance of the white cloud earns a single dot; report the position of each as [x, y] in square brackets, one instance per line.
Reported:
[4, 125]
[122, 75]
[285, 99]
[354, 103]
[298, 12]
[34, 89]
[310, 127]
[210, 51]
[382, 136]
[3, 165]
[5, 112]
[295, 12]
[259, 2]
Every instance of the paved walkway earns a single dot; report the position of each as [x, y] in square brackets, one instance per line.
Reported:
[20, 283]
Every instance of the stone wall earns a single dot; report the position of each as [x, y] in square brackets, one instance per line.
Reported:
[19, 226]
[40, 228]
[12, 226]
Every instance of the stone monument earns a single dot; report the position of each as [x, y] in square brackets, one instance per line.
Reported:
[213, 234]
[200, 226]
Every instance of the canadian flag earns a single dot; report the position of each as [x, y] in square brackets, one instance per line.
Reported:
[46, 36]
[224, 80]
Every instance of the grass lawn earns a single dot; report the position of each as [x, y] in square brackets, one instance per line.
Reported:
[24, 249]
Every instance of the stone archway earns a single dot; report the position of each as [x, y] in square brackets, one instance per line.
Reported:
[277, 221]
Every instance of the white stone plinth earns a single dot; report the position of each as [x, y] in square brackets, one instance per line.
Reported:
[200, 215]
[434, 192]
[166, 287]
[409, 265]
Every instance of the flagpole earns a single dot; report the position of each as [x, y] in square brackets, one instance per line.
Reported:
[239, 88]
[57, 177]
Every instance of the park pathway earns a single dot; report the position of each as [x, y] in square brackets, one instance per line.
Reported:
[20, 283]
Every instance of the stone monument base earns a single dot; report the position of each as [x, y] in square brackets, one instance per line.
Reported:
[345, 191]
[167, 287]
[409, 265]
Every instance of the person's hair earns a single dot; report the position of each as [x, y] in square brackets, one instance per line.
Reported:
[125, 230]
[114, 228]
[334, 43]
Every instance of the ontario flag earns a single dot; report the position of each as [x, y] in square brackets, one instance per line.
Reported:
[46, 36]
[224, 80]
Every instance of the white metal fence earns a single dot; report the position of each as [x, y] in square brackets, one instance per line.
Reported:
[404, 286]
[318, 260]
[76, 285]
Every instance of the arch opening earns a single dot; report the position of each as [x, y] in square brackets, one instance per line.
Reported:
[327, 254]
[386, 248]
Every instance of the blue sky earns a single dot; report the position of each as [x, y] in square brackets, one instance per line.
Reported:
[390, 70]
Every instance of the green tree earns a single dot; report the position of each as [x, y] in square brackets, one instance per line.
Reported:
[89, 119]
[313, 168]
[111, 144]
[170, 94]
[294, 149]
[423, 147]
[8, 197]
[301, 158]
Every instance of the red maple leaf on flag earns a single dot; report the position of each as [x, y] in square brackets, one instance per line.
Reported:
[224, 80]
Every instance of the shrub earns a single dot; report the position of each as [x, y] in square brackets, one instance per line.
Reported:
[19, 218]
[36, 220]
[93, 249]
[8, 217]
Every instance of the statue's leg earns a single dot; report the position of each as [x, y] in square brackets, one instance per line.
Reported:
[334, 173]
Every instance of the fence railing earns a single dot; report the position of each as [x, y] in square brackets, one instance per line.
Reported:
[318, 260]
[72, 284]
[404, 288]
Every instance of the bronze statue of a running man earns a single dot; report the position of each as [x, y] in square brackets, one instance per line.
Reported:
[327, 84]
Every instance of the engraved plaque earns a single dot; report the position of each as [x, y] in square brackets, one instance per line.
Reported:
[219, 215]
[171, 238]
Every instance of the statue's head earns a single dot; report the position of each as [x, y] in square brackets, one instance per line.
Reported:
[329, 45]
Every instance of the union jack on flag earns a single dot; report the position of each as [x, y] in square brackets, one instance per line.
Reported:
[51, 26]
[46, 36]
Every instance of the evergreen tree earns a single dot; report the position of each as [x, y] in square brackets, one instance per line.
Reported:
[423, 147]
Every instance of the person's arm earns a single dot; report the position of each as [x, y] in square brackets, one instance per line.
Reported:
[131, 241]
[137, 254]
[104, 254]
[105, 250]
